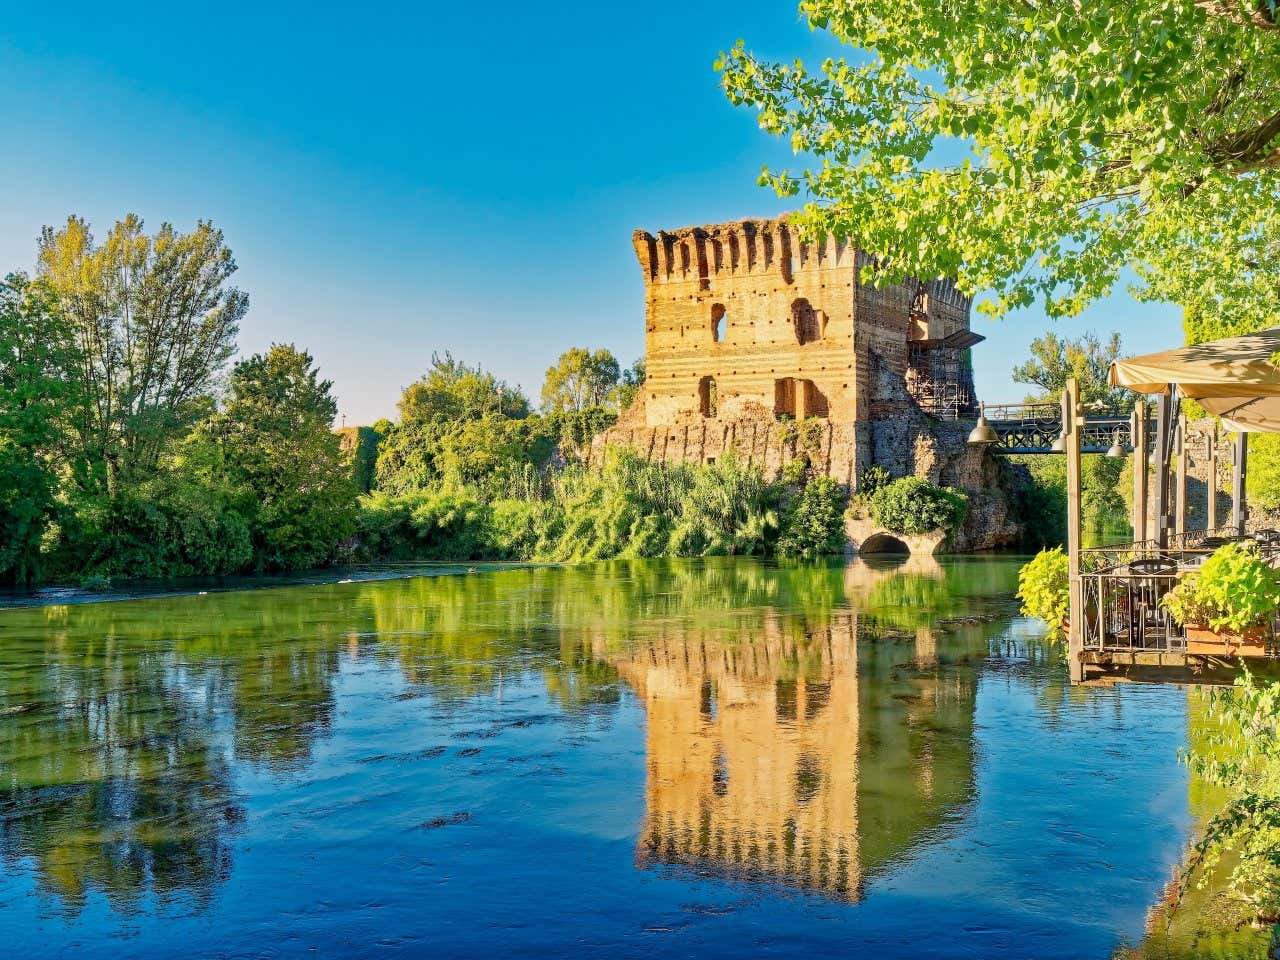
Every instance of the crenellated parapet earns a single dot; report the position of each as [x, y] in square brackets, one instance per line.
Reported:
[737, 248]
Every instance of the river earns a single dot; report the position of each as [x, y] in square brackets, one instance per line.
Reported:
[694, 758]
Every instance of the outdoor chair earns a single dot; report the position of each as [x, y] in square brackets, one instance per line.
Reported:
[1149, 579]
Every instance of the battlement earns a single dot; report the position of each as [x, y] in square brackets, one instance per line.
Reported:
[945, 291]
[737, 248]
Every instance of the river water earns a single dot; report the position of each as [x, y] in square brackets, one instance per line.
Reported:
[685, 758]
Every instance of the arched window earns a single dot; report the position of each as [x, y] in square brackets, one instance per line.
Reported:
[707, 396]
[717, 322]
[807, 321]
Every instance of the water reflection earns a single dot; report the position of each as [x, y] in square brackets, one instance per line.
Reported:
[798, 754]
[806, 727]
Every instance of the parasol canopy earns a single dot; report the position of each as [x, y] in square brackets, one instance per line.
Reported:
[1234, 379]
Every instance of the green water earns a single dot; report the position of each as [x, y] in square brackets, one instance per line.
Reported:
[702, 757]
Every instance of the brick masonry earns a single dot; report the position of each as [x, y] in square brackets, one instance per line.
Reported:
[750, 331]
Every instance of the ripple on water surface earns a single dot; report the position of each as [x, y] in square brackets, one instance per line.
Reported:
[720, 758]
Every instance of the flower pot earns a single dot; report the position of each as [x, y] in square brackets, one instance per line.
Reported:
[1251, 643]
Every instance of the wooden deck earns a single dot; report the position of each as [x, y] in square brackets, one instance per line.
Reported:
[1125, 628]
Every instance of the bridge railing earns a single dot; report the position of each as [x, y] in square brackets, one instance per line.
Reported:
[1034, 427]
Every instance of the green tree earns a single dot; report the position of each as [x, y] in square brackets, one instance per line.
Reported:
[629, 386]
[452, 391]
[36, 401]
[155, 323]
[1054, 359]
[274, 441]
[1037, 150]
[452, 405]
[580, 380]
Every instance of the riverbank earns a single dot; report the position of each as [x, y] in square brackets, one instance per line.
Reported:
[144, 589]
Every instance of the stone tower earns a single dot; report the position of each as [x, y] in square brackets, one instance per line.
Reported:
[750, 331]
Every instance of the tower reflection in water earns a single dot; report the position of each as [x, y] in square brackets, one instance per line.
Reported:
[809, 755]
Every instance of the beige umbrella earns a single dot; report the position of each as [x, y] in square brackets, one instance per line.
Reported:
[1235, 378]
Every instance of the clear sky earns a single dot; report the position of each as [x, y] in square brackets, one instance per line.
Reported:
[398, 179]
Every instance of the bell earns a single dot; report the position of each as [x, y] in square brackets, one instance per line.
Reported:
[1116, 449]
[982, 433]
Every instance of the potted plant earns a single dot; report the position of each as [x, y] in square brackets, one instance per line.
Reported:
[1228, 605]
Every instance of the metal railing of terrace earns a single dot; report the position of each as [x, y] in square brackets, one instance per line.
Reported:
[1122, 586]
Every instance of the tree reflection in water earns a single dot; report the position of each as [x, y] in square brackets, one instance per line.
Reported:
[806, 724]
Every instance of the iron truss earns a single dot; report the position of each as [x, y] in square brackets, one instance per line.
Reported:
[1034, 427]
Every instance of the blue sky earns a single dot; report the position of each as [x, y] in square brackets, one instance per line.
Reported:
[401, 179]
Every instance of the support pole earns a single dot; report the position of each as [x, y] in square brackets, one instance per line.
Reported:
[1239, 513]
[1075, 594]
[1164, 415]
[1141, 428]
[1212, 483]
[1180, 486]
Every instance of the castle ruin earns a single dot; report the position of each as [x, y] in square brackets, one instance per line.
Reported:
[751, 332]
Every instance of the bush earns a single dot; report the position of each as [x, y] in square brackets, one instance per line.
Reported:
[1242, 757]
[630, 507]
[1043, 588]
[1234, 591]
[872, 480]
[155, 531]
[912, 505]
[814, 522]
[521, 529]
[422, 526]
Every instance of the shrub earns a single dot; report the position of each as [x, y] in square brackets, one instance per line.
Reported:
[872, 480]
[173, 528]
[1233, 591]
[814, 522]
[422, 526]
[912, 505]
[1242, 757]
[451, 526]
[1043, 588]
[521, 529]
[794, 471]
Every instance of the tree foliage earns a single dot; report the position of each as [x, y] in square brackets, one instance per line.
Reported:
[1042, 588]
[274, 443]
[912, 505]
[580, 380]
[814, 521]
[36, 404]
[633, 378]
[1037, 150]
[1088, 358]
[452, 391]
[155, 323]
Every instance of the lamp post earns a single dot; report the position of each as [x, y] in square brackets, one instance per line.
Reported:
[1072, 421]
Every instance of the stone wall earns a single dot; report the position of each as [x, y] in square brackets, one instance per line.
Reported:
[775, 349]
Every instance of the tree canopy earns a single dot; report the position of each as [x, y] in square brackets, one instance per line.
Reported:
[36, 402]
[1036, 150]
[579, 380]
[452, 390]
[1088, 358]
[155, 323]
[279, 454]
